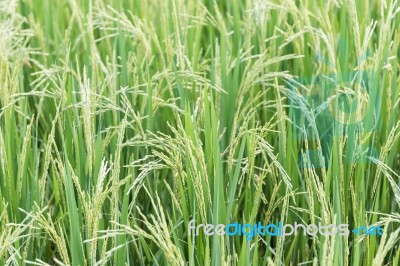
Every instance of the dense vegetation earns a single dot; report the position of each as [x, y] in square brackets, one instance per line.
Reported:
[121, 121]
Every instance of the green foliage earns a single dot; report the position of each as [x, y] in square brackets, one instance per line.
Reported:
[121, 121]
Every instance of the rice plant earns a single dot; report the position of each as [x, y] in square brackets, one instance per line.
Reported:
[126, 125]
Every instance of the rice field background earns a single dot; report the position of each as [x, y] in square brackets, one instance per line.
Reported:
[122, 121]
